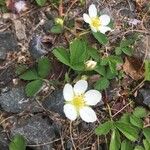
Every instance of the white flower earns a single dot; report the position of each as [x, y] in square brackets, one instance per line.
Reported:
[78, 101]
[20, 6]
[97, 23]
[90, 64]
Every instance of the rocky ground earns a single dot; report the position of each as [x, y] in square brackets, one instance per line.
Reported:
[25, 37]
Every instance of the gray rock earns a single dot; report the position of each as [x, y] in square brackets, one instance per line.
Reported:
[14, 100]
[144, 96]
[3, 140]
[36, 47]
[6, 75]
[142, 48]
[55, 102]
[36, 130]
[8, 42]
[2, 54]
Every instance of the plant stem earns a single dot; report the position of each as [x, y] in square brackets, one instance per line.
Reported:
[109, 110]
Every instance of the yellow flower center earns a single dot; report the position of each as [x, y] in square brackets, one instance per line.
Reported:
[78, 101]
[95, 22]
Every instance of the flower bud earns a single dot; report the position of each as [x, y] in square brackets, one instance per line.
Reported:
[90, 64]
[59, 21]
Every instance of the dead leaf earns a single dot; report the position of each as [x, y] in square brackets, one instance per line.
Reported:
[133, 68]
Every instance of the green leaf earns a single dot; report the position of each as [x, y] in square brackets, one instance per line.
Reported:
[29, 75]
[126, 145]
[41, 2]
[140, 112]
[104, 128]
[33, 87]
[136, 121]
[113, 61]
[62, 55]
[102, 84]
[127, 42]
[147, 70]
[118, 51]
[102, 38]
[94, 53]
[138, 148]
[2, 2]
[100, 69]
[57, 29]
[44, 67]
[127, 50]
[21, 69]
[78, 67]
[128, 130]
[146, 132]
[125, 118]
[113, 67]
[146, 144]
[18, 143]
[115, 140]
[78, 51]
[110, 74]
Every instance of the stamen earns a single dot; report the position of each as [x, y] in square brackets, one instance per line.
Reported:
[95, 22]
[78, 101]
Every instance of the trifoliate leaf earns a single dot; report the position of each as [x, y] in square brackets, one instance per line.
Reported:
[33, 87]
[146, 144]
[62, 55]
[118, 51]
[146, 132]
[125, 118]
[44, 67]
[78, 51]
[41, 2]
[100, 69]
[101, 38]
[18, 143]
[140, 112]
[104, 128]
[94, 53]
[139, 148]
[127, 50]
[126, 145]
[136, 121]
[102, 84]
[29, 75]
[128, 130]
[57, 29]
[115, 140]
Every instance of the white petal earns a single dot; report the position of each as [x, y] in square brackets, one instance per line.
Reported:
[92, 97]
[86, 18]
[70, 112]
[80, 87]
[105, 20]
[92, 11]
[104, 29]
[68, 92]
[87, 114]
[93, 29]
